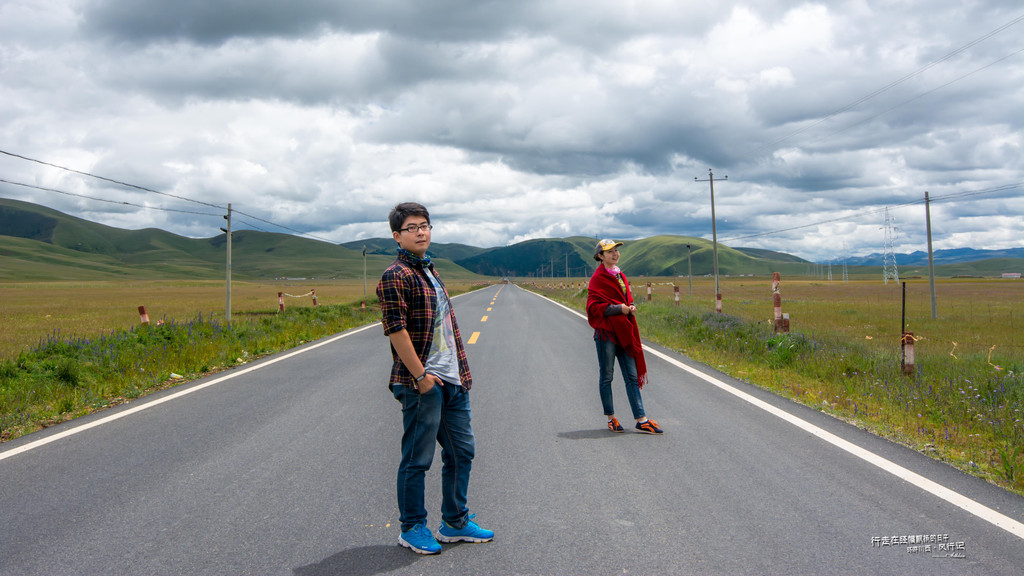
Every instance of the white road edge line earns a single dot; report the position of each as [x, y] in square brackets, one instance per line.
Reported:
[976, 508]
[176, 395]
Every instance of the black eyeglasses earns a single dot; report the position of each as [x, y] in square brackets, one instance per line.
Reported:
[412, 228]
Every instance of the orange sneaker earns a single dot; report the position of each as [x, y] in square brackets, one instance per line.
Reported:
[614, 425]
[649, 427]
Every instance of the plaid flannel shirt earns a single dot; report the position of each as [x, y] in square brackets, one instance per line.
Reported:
[408, 302]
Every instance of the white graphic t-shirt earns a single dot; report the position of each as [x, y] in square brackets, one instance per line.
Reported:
[442, 360]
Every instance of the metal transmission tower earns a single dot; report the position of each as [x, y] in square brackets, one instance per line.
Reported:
[889, 269]
[846, 273]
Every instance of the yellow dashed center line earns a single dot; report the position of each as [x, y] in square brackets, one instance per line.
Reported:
[475, 335]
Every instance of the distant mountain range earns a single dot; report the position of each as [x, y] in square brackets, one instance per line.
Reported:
[38, 243]
[574, 257]
[953, 256]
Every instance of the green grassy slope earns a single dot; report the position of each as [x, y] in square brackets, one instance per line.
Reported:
[386, 246]
[23, 259]
[534, 258]
[37, 243]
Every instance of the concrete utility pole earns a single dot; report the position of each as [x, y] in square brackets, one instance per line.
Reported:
[689, 270]
[931, 261]
[227, 232]
[714, 236]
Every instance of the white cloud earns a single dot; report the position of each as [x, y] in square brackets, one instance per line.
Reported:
[523, 120]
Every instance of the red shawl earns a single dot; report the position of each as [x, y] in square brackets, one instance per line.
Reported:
[604, 290]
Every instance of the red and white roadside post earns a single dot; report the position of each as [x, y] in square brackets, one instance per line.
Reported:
[907, 345]
[676, 290]
[280, 301]
[649, 292]
[907, 339]
[143, 317]
[781, 320]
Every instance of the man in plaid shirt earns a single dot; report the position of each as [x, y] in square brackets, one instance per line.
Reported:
[431, 378]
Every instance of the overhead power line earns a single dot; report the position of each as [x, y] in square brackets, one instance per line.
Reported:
[283, 227]
[45, 189]
[104, 178]
[144, 189]
[249, 224]
[861, 214]
[893, 84]
[121, 202]
[918, 97]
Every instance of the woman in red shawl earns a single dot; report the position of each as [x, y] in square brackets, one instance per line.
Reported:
[611, 313]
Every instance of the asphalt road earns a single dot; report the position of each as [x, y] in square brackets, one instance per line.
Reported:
[287, 466]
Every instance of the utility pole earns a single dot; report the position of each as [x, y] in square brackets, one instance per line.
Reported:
[364, 276]
[714, 237]
[567, 265]
[227, 232]
[689, 270]
[931, 261]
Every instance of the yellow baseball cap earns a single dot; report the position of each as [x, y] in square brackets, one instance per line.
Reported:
[604, 246]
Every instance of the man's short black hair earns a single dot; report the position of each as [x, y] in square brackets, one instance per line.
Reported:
[402, 211]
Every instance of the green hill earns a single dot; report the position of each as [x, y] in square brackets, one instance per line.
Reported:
[386, 246]
[771, 255]
[37, 243]
[655, 256]
[533, 258]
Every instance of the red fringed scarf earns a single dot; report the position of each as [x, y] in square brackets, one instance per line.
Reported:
[603, 290]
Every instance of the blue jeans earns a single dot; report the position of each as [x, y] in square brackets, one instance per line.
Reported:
[441, 415]
[607, 352]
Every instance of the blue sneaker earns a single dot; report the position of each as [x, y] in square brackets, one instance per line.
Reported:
[468, 533]
[419, 540]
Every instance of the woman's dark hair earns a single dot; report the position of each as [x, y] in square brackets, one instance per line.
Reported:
[402, 211]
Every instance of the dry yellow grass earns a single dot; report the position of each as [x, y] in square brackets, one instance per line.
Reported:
[976, 314]
[31, 312]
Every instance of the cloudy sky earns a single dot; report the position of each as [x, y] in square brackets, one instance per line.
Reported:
[525, 119]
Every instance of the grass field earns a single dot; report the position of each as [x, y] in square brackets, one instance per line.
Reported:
[80, 347]
[975, 314]
[33, 312]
